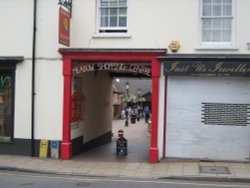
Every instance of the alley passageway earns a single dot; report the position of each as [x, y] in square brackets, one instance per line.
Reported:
[138, 145]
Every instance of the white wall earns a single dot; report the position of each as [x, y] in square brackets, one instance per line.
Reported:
[48, 100]
[22, 109]
[187, 136]
[153, 24]
[49, 78]
[16, 28]
[98, 108]
[47, 29]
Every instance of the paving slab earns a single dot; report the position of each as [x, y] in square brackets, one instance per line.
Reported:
[170, 170]
[131, 166]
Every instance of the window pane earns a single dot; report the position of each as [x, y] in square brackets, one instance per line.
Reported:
[227, 1]
[206, 24]
[122, 21]
[216, 36]
[113, 3]
[113, 21]
[122, 11]
[217, 24]
[104, 21]
[207, 10]
[227, 24]
[104, 2]
[227, 10]
[226, 36]
[5, 107]
[217, 1]
[207, 1]
[113, 12]
[122, 3]
[206, 36]
[217, 10]
[104, 12]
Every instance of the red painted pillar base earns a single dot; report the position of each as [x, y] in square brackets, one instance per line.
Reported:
[66, 149]
[153, 155]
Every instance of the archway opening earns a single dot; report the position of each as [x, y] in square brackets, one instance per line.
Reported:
[107, 64]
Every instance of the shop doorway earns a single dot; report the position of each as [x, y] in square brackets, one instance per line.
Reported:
[89, 108]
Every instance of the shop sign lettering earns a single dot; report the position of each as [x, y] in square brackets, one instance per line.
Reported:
[5, 81]
[117, 67]
[209, 68]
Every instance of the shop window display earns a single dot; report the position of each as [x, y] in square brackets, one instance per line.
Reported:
[6, 107]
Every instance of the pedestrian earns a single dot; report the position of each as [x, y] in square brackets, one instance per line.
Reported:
[147, 114]
[127, 113]
[123, 114]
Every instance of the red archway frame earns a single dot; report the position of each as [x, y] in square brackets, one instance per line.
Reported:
[69, 55]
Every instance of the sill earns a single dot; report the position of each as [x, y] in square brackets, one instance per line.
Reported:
[233, 48]
[111, 35]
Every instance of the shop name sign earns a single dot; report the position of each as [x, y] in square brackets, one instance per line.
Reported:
[206, 68]
[64, 27]
[117, 67]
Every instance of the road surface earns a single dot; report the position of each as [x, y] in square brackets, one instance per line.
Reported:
[11, 179]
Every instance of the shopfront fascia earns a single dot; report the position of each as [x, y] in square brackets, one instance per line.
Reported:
[207, 65]
[124, 56]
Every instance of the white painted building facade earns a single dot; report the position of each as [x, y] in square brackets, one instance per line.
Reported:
[141, 25]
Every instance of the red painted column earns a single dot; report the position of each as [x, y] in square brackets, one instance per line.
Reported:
[66, 148]
[153, 153]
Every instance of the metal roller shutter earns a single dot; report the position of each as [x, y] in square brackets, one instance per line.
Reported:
[198, 118]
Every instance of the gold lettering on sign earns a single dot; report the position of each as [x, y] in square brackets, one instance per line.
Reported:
[176, 68]
[241, 68]
[199, 67]
[217, 67]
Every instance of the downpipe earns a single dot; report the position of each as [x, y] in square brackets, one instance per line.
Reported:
[33, 80]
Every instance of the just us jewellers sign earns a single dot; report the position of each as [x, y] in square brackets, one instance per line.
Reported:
[206, 68]
[116, 67]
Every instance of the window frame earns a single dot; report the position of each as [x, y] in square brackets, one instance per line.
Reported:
[217, 45]
[110, 31]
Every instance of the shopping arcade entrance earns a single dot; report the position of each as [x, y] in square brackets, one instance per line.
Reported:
[128, 58]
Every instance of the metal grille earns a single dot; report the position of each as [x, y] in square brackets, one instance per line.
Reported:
[226, 114]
